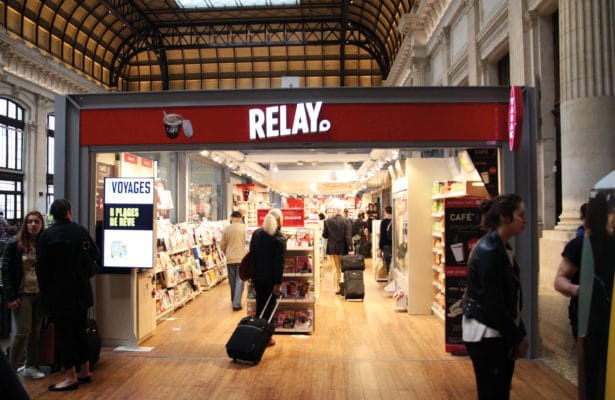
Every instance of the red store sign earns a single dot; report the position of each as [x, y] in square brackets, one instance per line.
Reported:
[314, 122]
[293, 217]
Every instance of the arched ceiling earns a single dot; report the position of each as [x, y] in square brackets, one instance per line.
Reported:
[146, 45]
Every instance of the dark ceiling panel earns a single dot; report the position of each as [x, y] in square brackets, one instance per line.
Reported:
[156, 45]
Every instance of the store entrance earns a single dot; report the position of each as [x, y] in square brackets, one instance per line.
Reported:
[198, 190]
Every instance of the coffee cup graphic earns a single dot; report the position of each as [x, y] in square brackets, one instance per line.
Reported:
[458, 253]
[172, 123]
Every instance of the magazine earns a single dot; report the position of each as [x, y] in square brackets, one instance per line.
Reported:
[303, 265]
[290, 264]
[304, 319]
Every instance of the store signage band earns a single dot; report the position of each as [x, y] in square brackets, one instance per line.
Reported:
[128, 222]
[304, 122]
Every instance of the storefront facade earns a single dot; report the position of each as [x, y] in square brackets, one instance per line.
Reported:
[88, 125]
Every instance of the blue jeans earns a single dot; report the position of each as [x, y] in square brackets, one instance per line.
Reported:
[236, 284]
[387, 255]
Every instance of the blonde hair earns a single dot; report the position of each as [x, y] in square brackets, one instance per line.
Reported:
[272, 221]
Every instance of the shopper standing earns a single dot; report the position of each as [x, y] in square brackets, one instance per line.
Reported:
[233, 244]
[592, 344]
[64, 280]
[268, 248]
[337, 230]
[22, 293]
[492, 328]
[385, 243]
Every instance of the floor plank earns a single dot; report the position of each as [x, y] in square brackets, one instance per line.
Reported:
[359, 350]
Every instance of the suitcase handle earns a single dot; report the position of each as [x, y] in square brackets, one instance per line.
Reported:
[274, 308]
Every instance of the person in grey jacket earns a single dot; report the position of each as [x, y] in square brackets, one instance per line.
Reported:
[492, 328]
[338, 232]
[268, 249]
[233, 244]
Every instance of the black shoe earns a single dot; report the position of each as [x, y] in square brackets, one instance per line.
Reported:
[72, 386]
[84, 379]
[237, 308]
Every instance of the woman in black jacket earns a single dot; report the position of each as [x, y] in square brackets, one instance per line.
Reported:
[64, 275]
[22, 293]
[268, 248]
[492, 326]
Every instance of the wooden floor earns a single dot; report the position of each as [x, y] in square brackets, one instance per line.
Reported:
[359, 350]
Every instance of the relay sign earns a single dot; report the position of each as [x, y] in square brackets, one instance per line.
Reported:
[128, 222]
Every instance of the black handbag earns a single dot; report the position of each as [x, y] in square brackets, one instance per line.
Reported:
[93, 342]
[88, 259]
[246, 267]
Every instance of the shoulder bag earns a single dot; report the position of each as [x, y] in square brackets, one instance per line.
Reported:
[246, 267]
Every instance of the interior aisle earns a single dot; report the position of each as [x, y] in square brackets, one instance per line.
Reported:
[359, 350]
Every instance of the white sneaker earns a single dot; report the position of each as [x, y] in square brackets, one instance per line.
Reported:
[34, 373]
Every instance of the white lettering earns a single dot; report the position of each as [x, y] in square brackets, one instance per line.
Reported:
[462, 217]
[272, 121]
[284, 130]
[313, 112]
[300, 122]
[257, 119]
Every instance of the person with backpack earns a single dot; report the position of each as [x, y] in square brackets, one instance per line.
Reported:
[385, 244]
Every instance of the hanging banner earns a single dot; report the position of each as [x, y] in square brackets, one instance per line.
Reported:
[128, 222]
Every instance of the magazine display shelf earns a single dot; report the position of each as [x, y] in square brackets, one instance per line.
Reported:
[177, 274]
[211, 258]
[296, 312]
[187, 254]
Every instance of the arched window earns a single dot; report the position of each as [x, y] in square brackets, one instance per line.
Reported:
[11, 159]
[51, 128]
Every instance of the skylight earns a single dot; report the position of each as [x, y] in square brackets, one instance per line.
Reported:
[235, 3]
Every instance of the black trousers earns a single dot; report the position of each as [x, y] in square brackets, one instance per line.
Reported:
[493, 368]
[70, 335]
[10, 384]
[263, 289]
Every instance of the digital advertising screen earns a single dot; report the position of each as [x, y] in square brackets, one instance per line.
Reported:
[128, 222]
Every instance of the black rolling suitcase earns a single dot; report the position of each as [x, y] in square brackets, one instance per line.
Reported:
[353, 285]
[353, 262]
[251, 337]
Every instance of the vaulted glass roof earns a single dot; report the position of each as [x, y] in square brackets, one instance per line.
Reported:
[145, 45]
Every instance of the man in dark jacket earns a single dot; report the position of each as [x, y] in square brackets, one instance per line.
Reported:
[385, 243]
[338, 232]
[64, 280]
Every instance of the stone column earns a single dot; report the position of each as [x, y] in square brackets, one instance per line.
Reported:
[587, 60]
[419, 71]
[444, 38]
[471, 10]
[517, 26]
